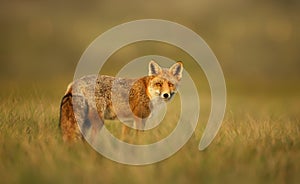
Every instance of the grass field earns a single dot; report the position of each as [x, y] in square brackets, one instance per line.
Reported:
[256, 42]
[257, 143]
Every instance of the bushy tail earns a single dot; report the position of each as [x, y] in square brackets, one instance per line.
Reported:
[67, 121]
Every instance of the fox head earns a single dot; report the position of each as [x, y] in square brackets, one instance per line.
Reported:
[164, 81]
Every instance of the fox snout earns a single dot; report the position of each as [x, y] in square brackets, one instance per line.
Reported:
[167, 95]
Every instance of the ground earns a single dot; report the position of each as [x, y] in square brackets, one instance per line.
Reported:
[257, 143]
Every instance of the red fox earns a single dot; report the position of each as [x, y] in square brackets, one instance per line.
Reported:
[122, 98]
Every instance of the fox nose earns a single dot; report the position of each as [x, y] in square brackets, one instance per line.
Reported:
[166, 95]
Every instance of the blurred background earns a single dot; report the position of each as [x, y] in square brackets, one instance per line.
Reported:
[256, 42]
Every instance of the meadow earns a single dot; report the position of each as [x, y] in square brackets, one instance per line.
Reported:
[257, 143]
[257, 46]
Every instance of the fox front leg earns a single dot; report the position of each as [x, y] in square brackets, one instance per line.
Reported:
[125, 131]
[139, 124]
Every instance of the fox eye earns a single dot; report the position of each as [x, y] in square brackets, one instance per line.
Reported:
[158, 84]
[170, 84]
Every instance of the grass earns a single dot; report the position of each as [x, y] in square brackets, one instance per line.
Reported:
[256, 43]
[257, 143]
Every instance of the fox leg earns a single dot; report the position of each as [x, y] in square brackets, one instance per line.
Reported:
[139, 125]
[125, 131]
[96, 125]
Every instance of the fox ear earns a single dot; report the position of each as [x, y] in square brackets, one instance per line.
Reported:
[154, 68]
[177, 69]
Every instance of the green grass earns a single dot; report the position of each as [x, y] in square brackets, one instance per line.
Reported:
[257, 143]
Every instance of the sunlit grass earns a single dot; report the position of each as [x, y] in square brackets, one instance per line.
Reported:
[257, 143]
